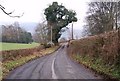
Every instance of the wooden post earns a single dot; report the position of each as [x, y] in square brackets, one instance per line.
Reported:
[72, 32]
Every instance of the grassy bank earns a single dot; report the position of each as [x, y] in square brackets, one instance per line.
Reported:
[14, 46]
[99, 67]
[9, 65]
[100, 53]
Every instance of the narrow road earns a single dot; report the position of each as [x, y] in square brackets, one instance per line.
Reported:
[54, 66]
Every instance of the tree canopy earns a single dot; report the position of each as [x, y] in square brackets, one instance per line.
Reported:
[57, 17]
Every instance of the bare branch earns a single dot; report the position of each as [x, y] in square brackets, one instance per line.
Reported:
[9, 14]
[17, 16]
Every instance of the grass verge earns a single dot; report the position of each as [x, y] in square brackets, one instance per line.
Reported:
[10, 65]
[108, 72]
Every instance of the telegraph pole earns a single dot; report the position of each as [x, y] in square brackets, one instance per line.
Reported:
[51, 34]
[72, 32]
[116, 15]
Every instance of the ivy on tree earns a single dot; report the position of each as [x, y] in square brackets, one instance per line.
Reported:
[57, 17]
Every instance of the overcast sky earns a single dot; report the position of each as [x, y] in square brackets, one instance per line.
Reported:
[34, 9]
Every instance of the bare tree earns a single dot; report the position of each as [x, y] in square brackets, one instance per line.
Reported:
[102, 17]
[41, 33]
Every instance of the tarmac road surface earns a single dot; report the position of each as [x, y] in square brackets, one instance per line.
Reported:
[54, 66]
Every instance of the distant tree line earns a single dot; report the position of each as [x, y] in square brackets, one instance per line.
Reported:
[102, 17]
[15, 34]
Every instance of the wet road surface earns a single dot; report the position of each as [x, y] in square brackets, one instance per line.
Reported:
[54, 66]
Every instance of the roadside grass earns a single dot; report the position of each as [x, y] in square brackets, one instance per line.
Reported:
[0, 70]
[13, 46]
[10, 65]
[99, 66]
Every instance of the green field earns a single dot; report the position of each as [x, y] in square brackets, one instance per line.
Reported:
[13, 46]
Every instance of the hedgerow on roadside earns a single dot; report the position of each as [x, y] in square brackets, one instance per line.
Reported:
[100, 52]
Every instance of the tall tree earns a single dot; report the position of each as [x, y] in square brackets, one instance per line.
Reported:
[103, 17]
[57, 17]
